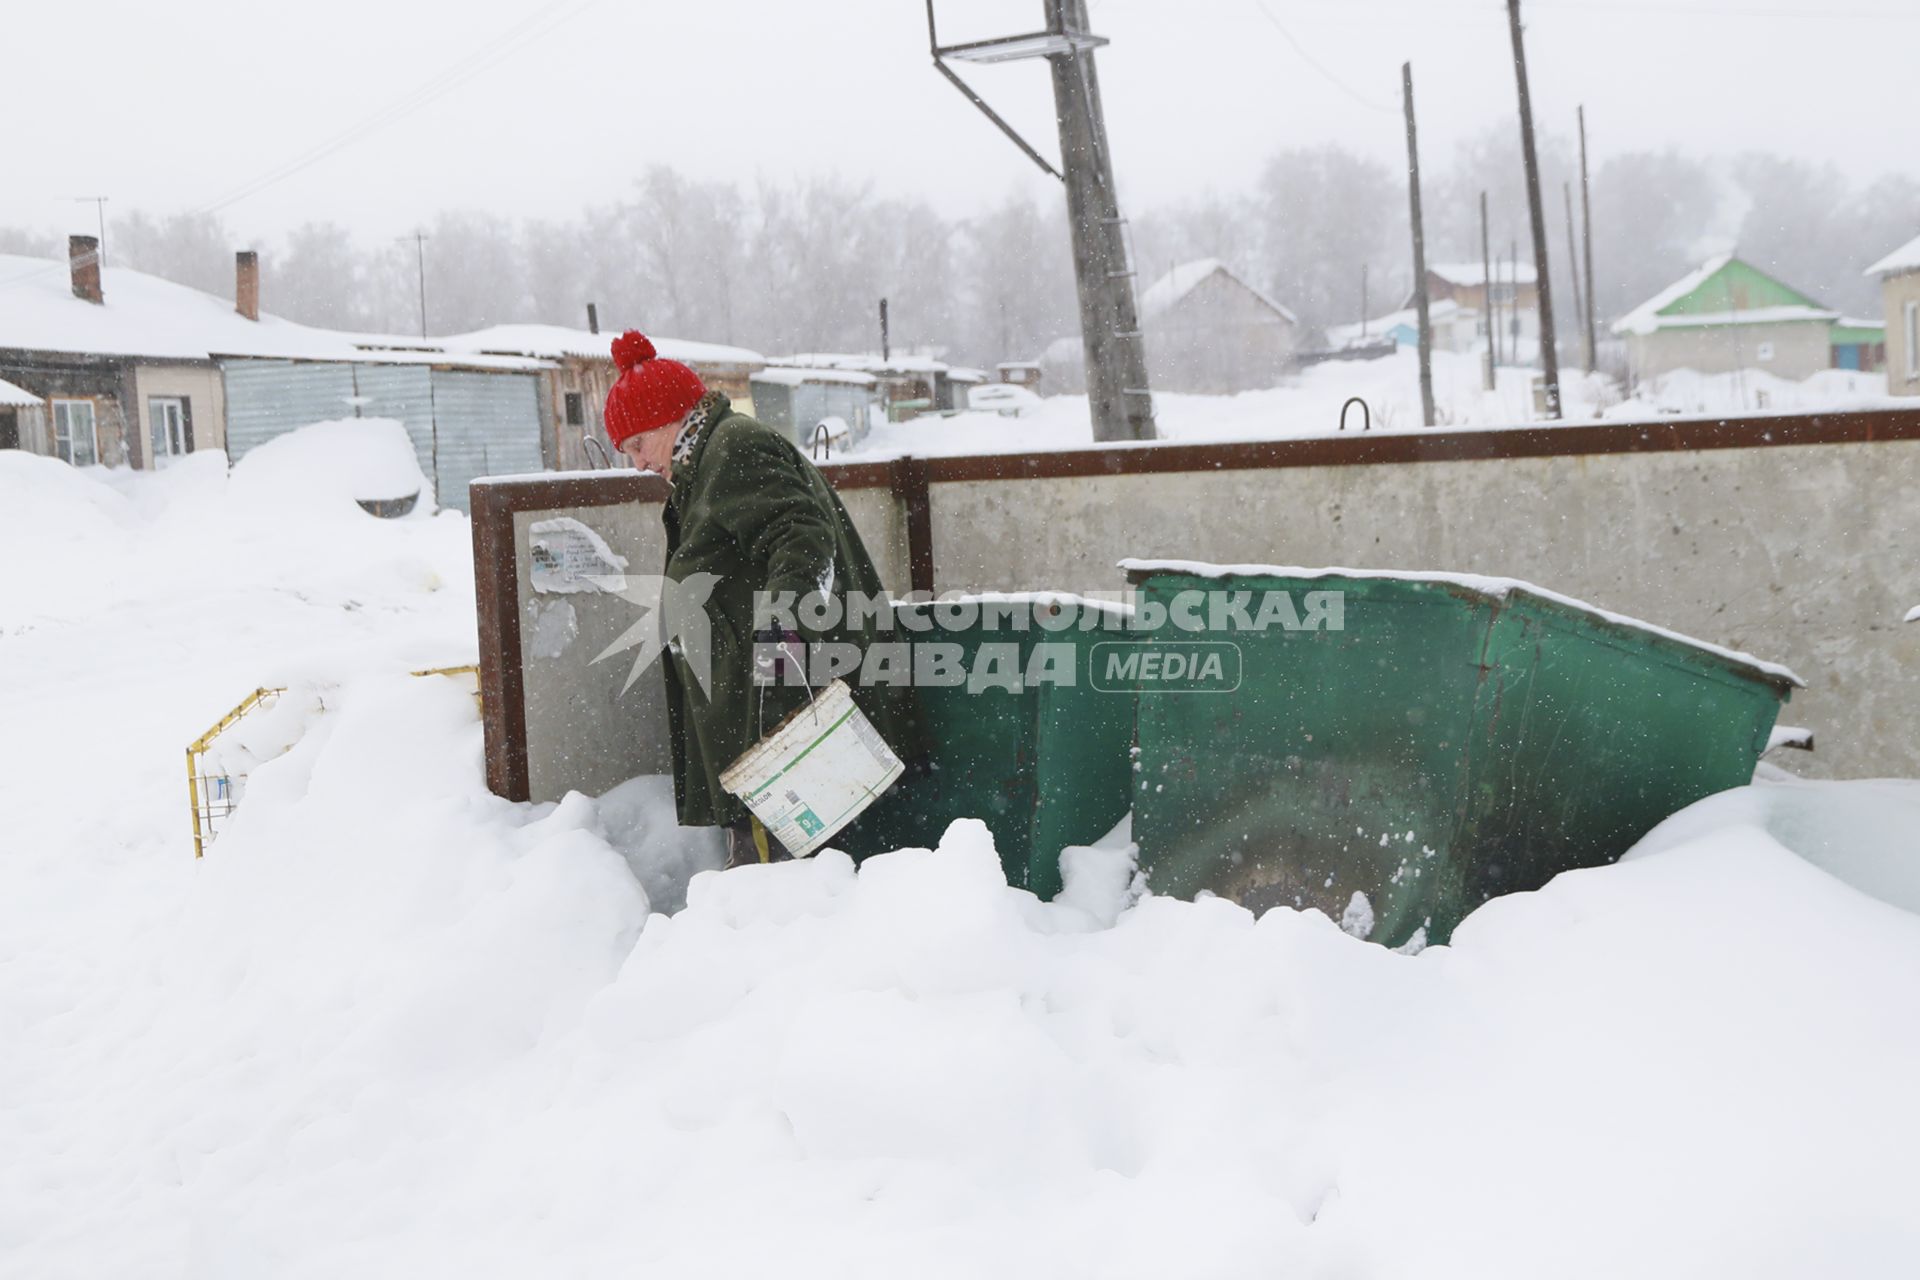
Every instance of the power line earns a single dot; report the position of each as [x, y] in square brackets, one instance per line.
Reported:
[1313, 62]
[522, 33]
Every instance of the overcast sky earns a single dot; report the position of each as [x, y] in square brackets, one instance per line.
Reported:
[193, 103]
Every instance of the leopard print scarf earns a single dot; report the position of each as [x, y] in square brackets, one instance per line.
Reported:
[692, 427]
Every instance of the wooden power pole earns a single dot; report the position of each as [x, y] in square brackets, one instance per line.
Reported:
[1419, 249]
[1109, 322]
[1536, 214]
[1109, 318]
[1586, 231]
[1573, 267]
[1487, 315]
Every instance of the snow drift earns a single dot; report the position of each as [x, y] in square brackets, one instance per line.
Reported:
[393, 1025]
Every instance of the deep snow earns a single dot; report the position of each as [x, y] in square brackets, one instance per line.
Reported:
[1310, 404]
[393, 1025]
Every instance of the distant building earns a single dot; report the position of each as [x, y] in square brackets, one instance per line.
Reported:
[581, 373]
[1516, 298]
[1020, 373]
[1899, 274]
[1728, 315]
[137, 371]
[907, 385]
[1208, 330]
[1859, 343]
[821, 410]
[1455, 328]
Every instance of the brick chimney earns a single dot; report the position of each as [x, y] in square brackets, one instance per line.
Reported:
[83, 259]
[246, 283]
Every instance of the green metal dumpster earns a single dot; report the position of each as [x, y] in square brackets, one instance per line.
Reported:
[1026, 741]
[1395, 749]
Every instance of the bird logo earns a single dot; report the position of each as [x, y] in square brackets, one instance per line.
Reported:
[673, 615]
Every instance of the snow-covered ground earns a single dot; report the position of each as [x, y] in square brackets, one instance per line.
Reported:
[395, 1026]
[1310, 405]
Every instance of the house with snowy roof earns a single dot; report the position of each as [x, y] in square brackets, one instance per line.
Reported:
[1899, 274]
[132, 370]
[1207, 329]
[579, 372]
[1728, 315]
[1455, 328]
[1515, 298]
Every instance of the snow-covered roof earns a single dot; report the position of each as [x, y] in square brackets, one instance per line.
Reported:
[1468, 274]
[1862, 322]
[862, 363]
[1646, 317]
[1748, 315]
[554, 342]
[799, 375]
[1438, 311]
[12, 397]
[1498, 588]
[1166, 292]
[146, 317]
[1905, 258]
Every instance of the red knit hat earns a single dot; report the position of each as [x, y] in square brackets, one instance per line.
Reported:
[650, 393]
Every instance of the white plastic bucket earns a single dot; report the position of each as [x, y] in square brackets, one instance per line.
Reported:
[816, 772]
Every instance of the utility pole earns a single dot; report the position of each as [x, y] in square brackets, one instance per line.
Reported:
[1486, 296]
[1109, 320]
[1573, 255]
[1586, 224]
[1513, 301]
[1109, 323]
[1419, 250]
[99, 204]
[1543, 295]
[886, 339]
[593, 318]
[419, 239]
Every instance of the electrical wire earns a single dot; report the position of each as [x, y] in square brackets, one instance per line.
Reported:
[510, 41]
[1315, 63]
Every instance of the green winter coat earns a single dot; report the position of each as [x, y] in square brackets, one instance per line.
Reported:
[749, 508]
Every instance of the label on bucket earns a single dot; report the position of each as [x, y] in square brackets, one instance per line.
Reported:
[815, 773]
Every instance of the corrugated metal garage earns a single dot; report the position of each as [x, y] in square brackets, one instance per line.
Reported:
[463, 423]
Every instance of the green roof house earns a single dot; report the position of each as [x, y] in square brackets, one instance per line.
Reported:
[1728, 315]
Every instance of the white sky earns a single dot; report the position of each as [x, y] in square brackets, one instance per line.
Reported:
[183, 104]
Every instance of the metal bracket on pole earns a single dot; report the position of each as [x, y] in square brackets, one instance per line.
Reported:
[1005, 50]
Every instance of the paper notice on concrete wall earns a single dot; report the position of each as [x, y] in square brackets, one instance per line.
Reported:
[568, 556]
[554, 628]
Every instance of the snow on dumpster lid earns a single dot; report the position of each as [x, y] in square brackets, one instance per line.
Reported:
[1497, 588]
[1116, 608]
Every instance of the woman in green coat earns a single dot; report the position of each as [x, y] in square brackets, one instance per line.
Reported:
[750, 509]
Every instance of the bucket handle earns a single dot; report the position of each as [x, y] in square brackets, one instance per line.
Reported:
[760, 721]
